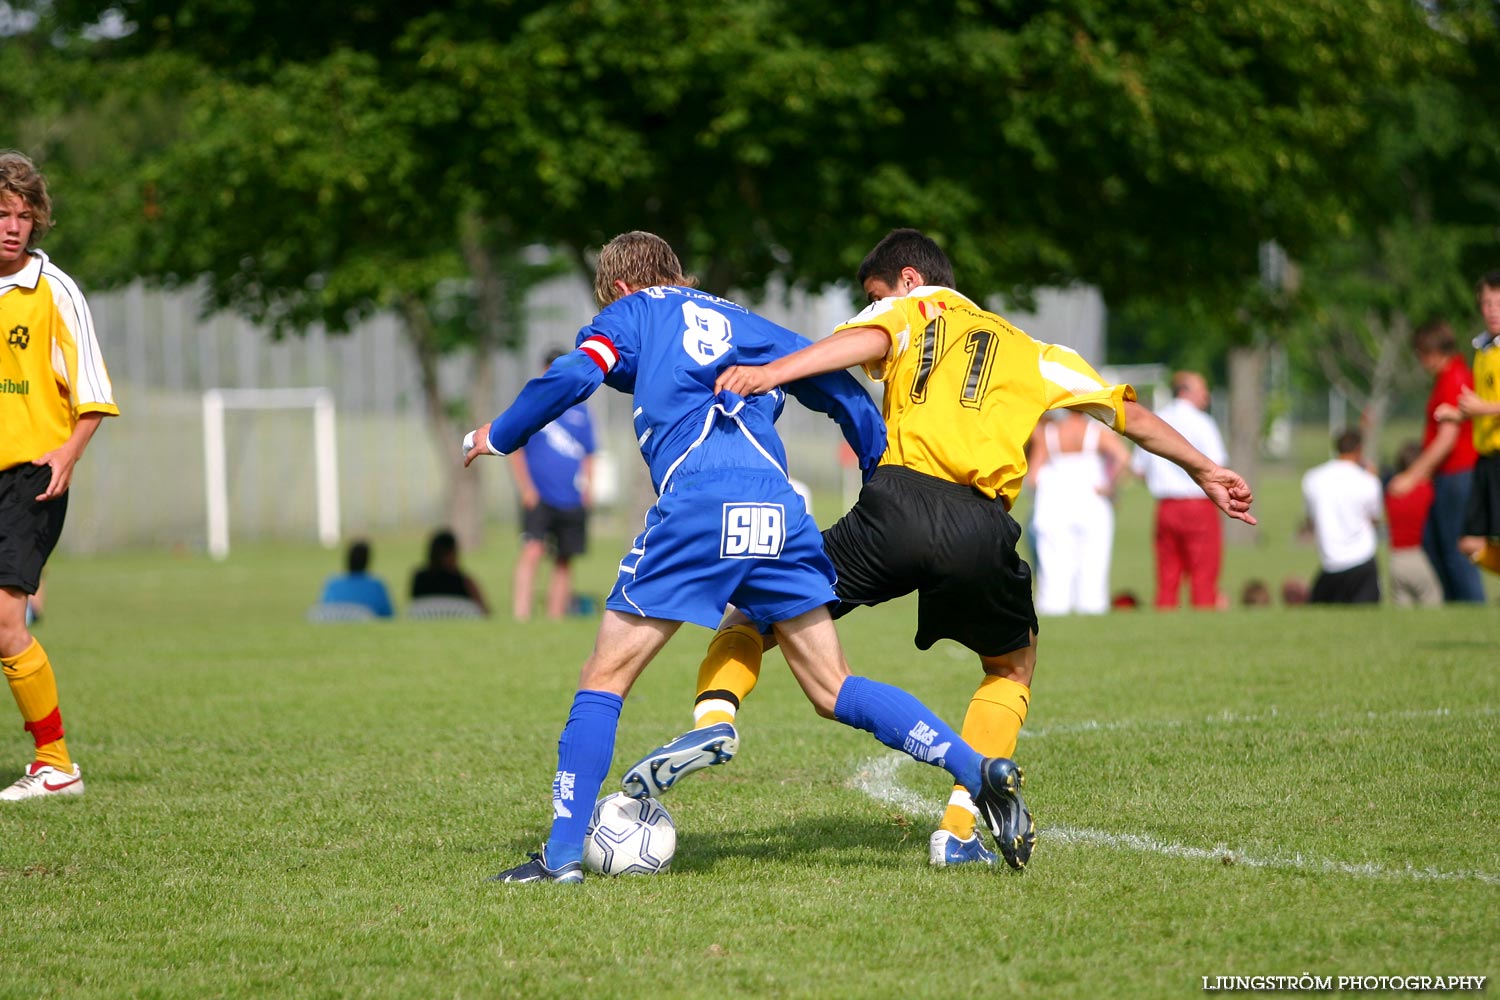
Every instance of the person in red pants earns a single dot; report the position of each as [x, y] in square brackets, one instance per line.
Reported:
[1189, 537]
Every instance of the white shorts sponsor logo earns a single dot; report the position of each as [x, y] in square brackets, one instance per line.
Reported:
[753, 531]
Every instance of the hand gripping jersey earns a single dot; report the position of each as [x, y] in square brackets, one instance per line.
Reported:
[666, 345]
[964, 389]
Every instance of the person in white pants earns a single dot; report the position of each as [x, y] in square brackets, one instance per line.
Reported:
[1075, 462]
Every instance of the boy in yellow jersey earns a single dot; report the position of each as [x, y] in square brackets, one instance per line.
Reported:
[963, 392]
[54, 390]
[1481, 537]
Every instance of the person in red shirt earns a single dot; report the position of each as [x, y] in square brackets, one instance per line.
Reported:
[1447, 460]
[1413, 581]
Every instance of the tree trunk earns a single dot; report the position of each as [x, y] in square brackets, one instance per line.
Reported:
[1247, 416]
[461, 486]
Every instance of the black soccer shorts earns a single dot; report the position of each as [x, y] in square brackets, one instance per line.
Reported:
[566, 531]
[1482, 518]
[29, 529]
[951, 544]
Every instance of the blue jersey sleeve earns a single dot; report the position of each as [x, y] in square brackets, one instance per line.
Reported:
[612, 341]
[569, 380]
[840, 396]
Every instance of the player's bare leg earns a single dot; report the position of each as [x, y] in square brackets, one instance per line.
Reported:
[560, 588]
[29, 674]
[622, 648]
[524, 579]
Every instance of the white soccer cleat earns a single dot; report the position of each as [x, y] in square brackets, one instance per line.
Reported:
[694, 750]
[944, 850]
[43, 781]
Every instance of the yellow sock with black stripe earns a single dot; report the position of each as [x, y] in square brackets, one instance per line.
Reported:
[34, 687]
[992, 726]
[727, 674]
[1488, 557]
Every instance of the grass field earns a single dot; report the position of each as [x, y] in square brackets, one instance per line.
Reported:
[278, 809]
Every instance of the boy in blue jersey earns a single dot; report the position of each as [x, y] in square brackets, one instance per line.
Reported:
[727, 528]
[358, 586]
[553, 474]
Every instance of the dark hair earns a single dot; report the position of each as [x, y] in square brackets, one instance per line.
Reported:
[359, 556]
[552, 355]
[443, 545]
[1434, 337]
[1490, 279]
[907, 248]
[1348, 441]
[1407, 454]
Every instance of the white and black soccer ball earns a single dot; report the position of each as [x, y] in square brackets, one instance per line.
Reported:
[629, 837]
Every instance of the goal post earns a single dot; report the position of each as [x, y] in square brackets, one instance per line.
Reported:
[216, 459]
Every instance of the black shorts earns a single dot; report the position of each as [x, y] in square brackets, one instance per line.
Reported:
[1482, 516]
[951, 544]
[1355, 585]
[29, 530]
[565, 531]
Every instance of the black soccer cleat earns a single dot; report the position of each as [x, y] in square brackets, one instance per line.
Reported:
[1000, 806]
[536, 870]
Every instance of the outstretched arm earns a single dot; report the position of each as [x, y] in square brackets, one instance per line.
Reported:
[571, 379]
[844, 349]
[1229, 492]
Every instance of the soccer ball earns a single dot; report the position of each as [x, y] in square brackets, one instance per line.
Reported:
[629, 837]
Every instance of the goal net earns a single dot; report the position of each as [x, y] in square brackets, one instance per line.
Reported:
[320, 404]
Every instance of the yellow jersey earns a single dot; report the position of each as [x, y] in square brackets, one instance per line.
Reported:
[964, 389]
[1487, 387]
[50, 366]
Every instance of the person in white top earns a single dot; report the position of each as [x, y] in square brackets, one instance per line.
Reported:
[1344, 502]
[1189, 538]
[1074, 462]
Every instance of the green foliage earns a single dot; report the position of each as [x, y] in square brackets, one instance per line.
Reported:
[1145, 147]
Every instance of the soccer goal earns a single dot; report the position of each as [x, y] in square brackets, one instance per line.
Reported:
[216, 458]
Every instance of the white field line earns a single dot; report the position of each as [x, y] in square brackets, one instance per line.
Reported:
[877, 778]
[1240, 719]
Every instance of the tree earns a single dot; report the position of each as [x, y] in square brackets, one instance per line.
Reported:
[1433, 205]
[325, 164]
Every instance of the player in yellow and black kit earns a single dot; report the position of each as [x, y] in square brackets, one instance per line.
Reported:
[54, 391]
[1481, 537]
[964, 390]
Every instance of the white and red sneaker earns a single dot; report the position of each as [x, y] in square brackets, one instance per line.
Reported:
[44, 780]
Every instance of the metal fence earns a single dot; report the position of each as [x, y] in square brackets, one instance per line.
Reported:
[142, 483]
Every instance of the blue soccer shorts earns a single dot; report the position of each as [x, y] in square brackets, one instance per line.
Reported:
[721, 538]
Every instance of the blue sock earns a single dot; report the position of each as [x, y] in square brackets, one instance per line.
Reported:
[584, 752]
[903, 723]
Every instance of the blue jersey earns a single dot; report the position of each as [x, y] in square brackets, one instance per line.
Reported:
[666, 345]
[358, 588]
[556, 453]
[727, 528]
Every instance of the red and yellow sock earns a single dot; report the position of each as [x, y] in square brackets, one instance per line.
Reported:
[32, 683]
[992, 726]
[727, 674]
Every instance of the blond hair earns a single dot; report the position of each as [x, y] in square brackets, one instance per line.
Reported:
[20, 177]
[640, 260]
